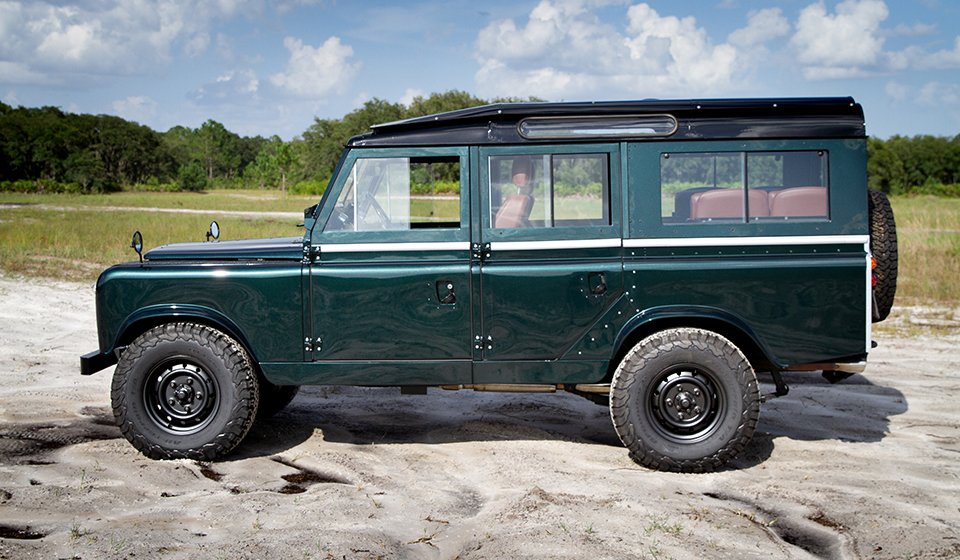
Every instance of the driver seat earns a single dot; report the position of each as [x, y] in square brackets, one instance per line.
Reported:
[514, 212]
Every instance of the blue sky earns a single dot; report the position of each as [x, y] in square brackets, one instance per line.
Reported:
[262, 67]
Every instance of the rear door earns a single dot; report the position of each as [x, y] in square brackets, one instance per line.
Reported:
[550, 259]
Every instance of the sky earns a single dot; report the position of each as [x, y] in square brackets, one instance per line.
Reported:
[267, 68]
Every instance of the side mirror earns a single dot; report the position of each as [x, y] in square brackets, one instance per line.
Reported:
[137, 244]
[214, 231]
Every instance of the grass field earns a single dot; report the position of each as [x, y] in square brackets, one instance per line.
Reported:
[928, 236]
[74, 237]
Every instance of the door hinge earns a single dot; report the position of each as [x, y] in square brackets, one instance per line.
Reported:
[480, 252]
[312, 345]
[311, 253]
[479, 343]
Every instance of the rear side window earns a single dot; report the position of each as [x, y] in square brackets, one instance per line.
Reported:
[549, 190]
[743, 186]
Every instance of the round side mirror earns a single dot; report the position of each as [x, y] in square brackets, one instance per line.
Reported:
[137, 244]
[214, 231]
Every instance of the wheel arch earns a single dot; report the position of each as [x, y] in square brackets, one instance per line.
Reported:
[712, 319]
[146, 318]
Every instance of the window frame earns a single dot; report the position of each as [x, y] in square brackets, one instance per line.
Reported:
[585, 231]
[744, 155]
[417, 235]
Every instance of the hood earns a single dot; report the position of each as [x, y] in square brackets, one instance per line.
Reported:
[277, 248]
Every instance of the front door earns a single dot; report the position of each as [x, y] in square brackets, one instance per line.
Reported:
[390, 284]
[551, 260]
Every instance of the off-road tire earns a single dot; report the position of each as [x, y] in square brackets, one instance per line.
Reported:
[183, 390]
[274, 398]
[700, 369]
[883, 247]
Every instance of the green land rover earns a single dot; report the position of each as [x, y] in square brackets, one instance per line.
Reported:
[652, 256]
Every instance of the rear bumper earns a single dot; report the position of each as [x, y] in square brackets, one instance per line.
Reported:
[95, 361]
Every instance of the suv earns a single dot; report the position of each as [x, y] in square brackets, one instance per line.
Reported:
[652, 256]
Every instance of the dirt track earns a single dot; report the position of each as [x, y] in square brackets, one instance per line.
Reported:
[865, 469]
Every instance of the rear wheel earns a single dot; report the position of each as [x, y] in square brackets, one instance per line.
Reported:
[184, 390]
[684, 400]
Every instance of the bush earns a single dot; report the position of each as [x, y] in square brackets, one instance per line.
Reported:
[936, 188]
[435, 187]
[308, 188]
[40, 186]
[192, 177]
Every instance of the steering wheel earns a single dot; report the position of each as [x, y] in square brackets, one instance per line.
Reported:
[370, 203]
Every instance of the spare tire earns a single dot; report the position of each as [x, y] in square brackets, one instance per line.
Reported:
[883, 246]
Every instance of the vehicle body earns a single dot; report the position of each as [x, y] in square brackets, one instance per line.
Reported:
[649, 254]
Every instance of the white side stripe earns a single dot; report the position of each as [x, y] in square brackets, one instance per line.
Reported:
[390, 247]
[749, 241]
[602, 243]
[559, 244]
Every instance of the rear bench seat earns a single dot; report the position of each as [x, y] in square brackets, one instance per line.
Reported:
[783, 203]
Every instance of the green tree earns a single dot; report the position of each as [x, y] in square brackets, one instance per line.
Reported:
[885, 171]
[192, 177]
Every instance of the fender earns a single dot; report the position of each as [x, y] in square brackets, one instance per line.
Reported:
[718, 320]
[146, 317]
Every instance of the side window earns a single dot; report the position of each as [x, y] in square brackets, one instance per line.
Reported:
[743, 186]
[549, 190]
[399, 193]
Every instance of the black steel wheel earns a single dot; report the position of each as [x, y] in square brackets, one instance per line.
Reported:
[184, 390]
[180, 397]
[684, 400]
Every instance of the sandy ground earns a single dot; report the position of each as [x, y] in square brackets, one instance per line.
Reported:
[865, 469]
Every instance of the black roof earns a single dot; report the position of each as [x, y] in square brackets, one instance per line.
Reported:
[820, 117]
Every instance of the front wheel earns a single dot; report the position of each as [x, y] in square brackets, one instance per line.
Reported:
[184, 390]
[684, 400]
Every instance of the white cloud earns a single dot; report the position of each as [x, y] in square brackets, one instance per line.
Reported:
[11, 98]
[198, 44]
[915, 30]
[564, 51]
[238, 87]
[679, 47]
[59, 41]
[897, 91]
[845, 41]
[136, 108]
[945, 59]
[285, 6]
[762, 26]
[409, 95]
[316, 71]
[17, 73]
[938, 94]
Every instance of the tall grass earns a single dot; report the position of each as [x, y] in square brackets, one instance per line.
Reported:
[928, 236]
[77, 245]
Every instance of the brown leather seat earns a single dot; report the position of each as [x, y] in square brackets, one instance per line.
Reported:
[727, 204]
[799, 201]
[514, 212]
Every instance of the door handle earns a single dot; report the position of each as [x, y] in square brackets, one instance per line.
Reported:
[446, 292]
[598, 283]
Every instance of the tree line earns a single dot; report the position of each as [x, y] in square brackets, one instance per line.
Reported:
[48, 150]
[914, 165]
